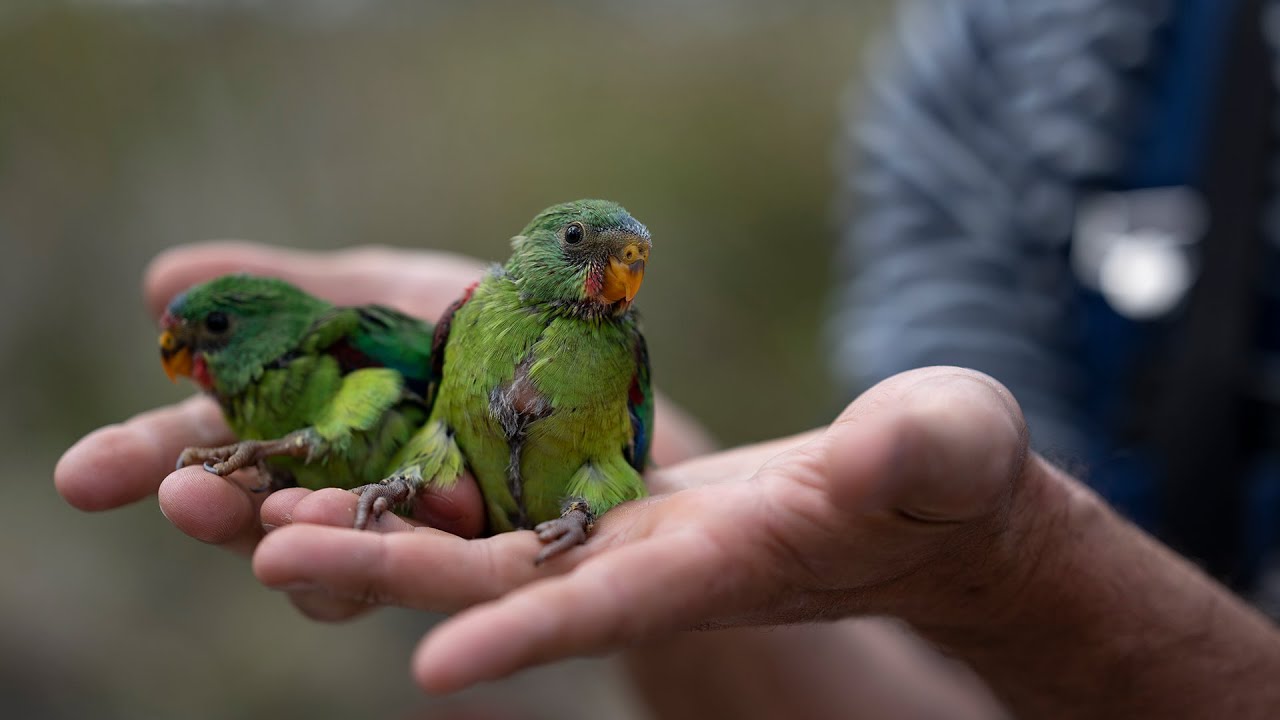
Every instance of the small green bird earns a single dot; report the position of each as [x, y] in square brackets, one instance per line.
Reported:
[319, 396]
[541, 385]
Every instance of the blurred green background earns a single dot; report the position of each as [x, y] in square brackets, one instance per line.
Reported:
[130, 126]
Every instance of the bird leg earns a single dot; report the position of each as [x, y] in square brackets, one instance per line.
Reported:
[379, 497]
[571, 528]
[227, 459]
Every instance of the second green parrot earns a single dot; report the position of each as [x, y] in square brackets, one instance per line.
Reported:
[319, 396]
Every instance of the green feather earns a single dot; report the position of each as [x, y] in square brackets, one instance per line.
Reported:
[359, 405]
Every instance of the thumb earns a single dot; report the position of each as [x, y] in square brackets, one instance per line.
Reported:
[945, 446]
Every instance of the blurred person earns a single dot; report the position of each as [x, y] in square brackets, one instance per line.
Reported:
[1078, 199]
[921, 501]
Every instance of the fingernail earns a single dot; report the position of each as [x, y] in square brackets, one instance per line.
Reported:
[268, 527]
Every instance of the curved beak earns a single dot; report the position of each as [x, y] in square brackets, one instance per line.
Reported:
[625, 273]
[175, 356]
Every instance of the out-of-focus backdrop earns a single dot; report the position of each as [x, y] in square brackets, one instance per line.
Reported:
[128, 126]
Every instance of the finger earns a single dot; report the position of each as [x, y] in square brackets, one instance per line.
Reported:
[334, 507]
[337, 508]
[419, 283]
[279, 510]
[120, 464]
[213, 509]
[458, 510]
[664, 583]
[938, 445]
[426, 569]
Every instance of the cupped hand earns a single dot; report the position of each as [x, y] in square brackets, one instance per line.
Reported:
[122, 464]
[907, 504]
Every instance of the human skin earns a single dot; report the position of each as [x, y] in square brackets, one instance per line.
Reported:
[919, 501]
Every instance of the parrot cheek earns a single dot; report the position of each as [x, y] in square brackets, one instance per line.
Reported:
[595, 282]
[200, 373]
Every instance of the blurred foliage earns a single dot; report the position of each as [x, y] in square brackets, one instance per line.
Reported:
[130, 126]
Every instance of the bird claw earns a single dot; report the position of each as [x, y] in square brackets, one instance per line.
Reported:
[377, 498]
[227, 459]
[224, 460]
[563, 533]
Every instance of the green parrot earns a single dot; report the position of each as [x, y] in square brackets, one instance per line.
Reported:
[541, 382]
[319, 396]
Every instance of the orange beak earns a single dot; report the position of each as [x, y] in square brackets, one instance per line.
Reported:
[174, 356]
[625, 273]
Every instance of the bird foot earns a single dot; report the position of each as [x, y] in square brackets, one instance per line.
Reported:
[566, 531]
[227, 459]
[377, 498]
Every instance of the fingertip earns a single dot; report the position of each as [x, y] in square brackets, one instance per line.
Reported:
[178, 268]
[337, 507]
[963, 423]
[271, 559]
[173, 270]
[277, 509]
[205, 506]
[123, 463]
[160, 281]
[83, 475]
[435, 669]
[486, 642]
[938, 444]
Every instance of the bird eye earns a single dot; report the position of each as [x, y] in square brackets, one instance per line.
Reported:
[216, 322]
[573, 234]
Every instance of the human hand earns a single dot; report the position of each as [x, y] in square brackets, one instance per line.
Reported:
[911, 503]
[121, 464]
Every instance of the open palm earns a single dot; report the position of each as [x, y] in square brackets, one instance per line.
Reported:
[861, 516]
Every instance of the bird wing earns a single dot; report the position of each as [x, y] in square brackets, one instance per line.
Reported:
[440, 339]
[640, 407]
[374, 336]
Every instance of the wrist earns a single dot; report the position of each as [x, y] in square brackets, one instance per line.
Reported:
[1019, 564]
[1074, 608]
[979, 579]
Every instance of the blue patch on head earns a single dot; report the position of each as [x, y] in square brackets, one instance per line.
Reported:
[175, 305]
[634, 227]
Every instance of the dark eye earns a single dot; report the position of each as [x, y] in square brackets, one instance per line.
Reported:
[216, 322]
[573, 234]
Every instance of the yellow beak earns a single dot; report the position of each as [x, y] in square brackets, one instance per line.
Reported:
[624, 275]
[174, 356]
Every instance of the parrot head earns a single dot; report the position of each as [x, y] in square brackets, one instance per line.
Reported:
[223, 332]
[587, 254]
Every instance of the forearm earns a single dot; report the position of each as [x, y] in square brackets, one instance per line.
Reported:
[805, 671]
[1105, 622]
